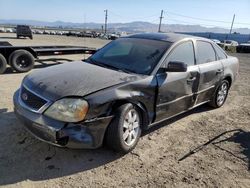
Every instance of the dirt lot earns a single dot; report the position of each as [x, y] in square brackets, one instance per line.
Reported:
[202, 148]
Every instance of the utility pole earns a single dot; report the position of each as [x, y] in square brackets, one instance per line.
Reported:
[159, 29]
[106, 19]
[232, 25]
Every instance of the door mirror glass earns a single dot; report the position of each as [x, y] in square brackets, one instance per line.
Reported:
[176, 66]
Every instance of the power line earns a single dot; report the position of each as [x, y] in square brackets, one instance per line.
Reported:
[154, 21]
[133, 18]
[176, 20]
[169, 13]
[186, 22]
[203, 19]
[195, 18]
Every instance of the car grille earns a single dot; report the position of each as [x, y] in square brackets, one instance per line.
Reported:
[31, 100]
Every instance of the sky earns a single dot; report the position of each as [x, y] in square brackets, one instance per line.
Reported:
[209, 13]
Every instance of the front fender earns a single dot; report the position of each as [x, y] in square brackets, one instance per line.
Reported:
[141, 93]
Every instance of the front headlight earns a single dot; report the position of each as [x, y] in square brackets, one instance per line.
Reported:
[68, 110]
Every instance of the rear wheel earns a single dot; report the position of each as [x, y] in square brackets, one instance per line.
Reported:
[3, 64]
[21, 61]
[220, 95]
[125, 130]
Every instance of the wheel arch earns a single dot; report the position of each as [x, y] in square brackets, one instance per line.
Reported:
[229, 79]
[138, 104]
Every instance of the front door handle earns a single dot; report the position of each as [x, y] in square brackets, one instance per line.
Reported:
[219, 71]
[191, 80]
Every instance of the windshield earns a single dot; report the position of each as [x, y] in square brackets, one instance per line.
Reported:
[132, 55]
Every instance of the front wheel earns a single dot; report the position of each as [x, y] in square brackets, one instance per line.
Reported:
[220, 95]
[124, 131]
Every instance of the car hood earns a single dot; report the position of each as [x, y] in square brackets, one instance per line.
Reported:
[74, 79]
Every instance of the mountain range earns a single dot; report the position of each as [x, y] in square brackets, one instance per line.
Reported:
[137, 26]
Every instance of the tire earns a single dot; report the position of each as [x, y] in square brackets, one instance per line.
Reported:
[220, 95]
[3, 64]
[121, 135]
[21, 61]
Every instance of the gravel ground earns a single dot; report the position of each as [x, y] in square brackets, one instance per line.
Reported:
[201, 148]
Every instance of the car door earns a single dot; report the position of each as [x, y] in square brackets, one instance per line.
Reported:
[211, 70]
[176, 89]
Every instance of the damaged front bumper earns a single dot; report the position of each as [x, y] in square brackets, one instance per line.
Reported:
[88, 134]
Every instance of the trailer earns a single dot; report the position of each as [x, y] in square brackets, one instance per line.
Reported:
[22, 58]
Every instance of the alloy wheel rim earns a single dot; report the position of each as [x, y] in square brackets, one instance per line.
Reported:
[222, 93]
[131, 127]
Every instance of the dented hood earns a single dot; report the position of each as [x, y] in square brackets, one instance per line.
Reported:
[73, 79]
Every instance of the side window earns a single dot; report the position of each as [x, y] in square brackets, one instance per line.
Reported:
[220, 53]
[184, 52]
[205, 52]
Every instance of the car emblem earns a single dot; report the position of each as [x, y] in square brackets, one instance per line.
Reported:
[25, 96]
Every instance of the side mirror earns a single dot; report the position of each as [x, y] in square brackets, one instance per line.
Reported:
[176, 66]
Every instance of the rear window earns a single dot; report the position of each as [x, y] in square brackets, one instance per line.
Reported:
[205, 52]
[23, 27]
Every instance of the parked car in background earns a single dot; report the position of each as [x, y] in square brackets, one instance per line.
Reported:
[24, 31]
[244, 47]
[46, 32]
[104, 36]
[39, 32]
[71, 33]
[113, 36]
[216, 41]
[52, 32]
[88, 34]
[9, 30]
[59, 33]
[2, 30]
[230, 43]
[151, 78]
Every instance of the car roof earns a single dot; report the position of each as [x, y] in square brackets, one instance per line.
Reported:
[169, 37]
